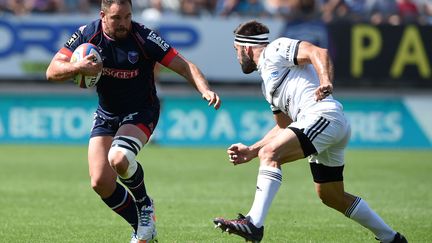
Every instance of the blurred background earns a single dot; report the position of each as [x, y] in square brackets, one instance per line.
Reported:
[381, 50]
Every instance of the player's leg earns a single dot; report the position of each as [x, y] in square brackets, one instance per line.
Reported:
[286, 147]
[134, 132]
[126, 145]
[103, 181]
[333, 195]
[327, 171]
[122, 156]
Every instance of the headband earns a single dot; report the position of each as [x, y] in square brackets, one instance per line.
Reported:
[251, 40]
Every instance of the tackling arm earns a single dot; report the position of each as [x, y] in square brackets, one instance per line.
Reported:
[282, 122]
[240, 153]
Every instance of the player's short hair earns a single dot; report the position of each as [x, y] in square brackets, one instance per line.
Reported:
[251, 28]
[105, 4]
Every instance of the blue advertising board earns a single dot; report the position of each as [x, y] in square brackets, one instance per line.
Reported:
[46, 118]
[383, 123]
[187, 121]
[28, 43]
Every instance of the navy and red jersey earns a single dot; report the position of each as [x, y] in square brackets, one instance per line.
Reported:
[127, 80]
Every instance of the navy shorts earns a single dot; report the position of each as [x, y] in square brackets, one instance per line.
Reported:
[107, 124]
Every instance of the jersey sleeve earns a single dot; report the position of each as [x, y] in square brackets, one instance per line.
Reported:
[74, 41]
[274, 109]
[156, 47]
[287, 50]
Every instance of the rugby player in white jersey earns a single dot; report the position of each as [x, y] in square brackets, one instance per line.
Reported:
[297, 83]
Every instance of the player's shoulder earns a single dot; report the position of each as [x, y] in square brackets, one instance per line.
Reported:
[140, 28]
[91, 28]
[83, 34]
[284, 41]
[155, 40]
[281, 46]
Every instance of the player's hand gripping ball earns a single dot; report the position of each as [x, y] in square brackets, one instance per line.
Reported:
[80, 52]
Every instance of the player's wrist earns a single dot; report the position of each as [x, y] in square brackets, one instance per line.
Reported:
[253, 150]
[75, 68]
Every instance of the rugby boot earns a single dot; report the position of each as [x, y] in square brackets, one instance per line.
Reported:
[146, 231]
[241, 227]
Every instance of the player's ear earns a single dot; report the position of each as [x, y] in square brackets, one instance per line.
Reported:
[102, 14]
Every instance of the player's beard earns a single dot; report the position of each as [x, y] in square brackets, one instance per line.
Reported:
[247, 64]
[121, 33]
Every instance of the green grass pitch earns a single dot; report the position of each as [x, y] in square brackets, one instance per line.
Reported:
[45, 196]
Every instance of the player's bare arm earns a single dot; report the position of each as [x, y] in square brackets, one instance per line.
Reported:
[61, 69]
[239, 153]
[320, 59]
[194, 76]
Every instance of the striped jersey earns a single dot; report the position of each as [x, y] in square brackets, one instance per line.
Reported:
[127, 80]
[287, 86]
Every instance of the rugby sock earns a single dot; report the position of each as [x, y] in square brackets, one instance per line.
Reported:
[123, 204]
[268, 183]
[137, 187]
[360, 212]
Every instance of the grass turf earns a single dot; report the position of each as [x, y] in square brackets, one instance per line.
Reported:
[45, 196]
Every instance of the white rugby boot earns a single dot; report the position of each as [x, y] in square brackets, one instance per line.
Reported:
[134, 238]
[146, 232]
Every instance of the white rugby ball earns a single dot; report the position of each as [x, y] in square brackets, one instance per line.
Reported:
[80, 52]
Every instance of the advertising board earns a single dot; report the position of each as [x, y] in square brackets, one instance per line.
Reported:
[186, 121]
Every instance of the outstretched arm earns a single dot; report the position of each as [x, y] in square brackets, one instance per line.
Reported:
[193, 75]
[320, 59]
[240, 153]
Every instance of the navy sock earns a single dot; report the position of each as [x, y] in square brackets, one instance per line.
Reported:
[137, 187]
[123, 204]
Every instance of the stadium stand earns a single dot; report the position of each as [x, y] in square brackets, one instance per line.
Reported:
[392, 12]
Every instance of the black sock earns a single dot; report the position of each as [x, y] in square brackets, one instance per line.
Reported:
[137, 187]
[123, 204]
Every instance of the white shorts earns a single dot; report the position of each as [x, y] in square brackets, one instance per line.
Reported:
[329, 133]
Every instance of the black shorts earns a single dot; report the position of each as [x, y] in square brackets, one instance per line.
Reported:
[322, 173]
[107, 124]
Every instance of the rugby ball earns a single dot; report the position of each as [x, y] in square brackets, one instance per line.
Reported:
[80, 52]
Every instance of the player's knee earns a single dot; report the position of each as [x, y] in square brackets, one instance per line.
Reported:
[116, 157]
[122, 154]
[267, 155]
[324, 197]
[330, 199]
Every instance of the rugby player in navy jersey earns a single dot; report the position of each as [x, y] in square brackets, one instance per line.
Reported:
[128, 108]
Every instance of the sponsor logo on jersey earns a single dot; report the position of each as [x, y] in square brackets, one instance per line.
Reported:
[120, 74]
[133, 57]
[129, 117]
[288, 54]
[73, 38]
[286, 107]
[158, 40]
